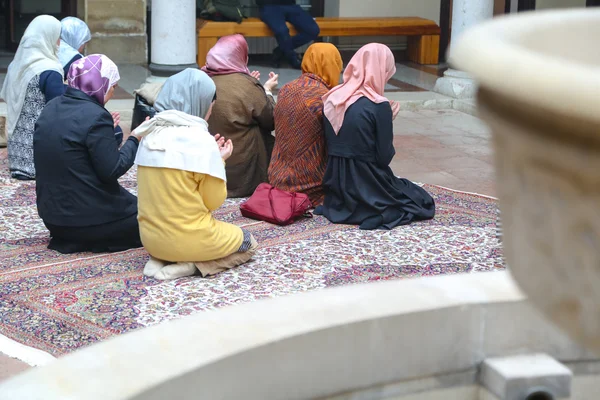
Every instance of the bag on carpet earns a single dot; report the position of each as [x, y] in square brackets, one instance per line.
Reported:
[143, 107]
[223, 10]
[141, 110]
[276, 206]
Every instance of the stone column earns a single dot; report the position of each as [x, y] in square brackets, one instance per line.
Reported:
[465, 13]
[173, 37]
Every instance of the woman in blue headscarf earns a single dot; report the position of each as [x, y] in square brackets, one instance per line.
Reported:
[74, 35]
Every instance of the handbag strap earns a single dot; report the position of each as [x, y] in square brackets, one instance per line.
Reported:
[273, 208]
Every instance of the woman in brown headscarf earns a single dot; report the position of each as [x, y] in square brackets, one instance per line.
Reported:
[299, 157]
[243, 113]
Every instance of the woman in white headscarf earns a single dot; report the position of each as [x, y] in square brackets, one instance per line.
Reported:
[74, 36]
[181, 181]
[34, 77]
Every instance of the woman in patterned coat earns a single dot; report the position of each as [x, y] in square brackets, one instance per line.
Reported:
[35, 76]
[299, 157]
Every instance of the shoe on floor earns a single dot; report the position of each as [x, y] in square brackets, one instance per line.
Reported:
[153, 266]
[175, 271]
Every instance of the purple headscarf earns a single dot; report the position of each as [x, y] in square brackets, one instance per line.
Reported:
[94, 75]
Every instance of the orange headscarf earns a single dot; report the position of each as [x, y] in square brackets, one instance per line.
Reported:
[324, 60]
[365, 76]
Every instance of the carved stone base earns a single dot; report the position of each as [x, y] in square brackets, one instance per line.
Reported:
[456, 84]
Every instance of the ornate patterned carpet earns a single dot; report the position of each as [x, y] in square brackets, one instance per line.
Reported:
[59, 303]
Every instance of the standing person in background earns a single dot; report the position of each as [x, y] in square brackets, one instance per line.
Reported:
[34, 77]
[74, 35]
[275, 13]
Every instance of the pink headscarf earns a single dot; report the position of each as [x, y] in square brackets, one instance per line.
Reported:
[228, 56]
[365, 76]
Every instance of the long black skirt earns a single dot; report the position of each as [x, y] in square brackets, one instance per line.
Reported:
[111, 237]
[365, 194]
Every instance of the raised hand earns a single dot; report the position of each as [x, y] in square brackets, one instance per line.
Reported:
[116, 118]
[220, 140]
[255, 75]
[395, 108]
[225, 146]
[226, 150]
[272, 82]
[135, 135]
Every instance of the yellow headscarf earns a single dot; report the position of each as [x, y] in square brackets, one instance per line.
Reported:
[324, 60]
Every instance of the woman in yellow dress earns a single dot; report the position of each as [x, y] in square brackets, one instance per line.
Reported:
[181, 180]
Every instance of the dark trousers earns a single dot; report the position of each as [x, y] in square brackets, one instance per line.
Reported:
[276, 16]
[110, 237]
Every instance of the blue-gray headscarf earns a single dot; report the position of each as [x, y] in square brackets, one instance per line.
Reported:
[190, 91]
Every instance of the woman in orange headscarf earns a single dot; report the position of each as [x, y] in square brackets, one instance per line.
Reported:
[360, 187]
[300, 157]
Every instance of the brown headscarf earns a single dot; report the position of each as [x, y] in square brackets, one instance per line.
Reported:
[324, 60]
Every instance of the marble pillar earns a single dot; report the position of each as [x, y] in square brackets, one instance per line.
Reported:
[173, 37]
[465, 13]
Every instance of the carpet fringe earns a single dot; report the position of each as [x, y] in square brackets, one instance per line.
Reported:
[28, 355]
[464, 192]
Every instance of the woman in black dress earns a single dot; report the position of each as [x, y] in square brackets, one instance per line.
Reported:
[360, 187]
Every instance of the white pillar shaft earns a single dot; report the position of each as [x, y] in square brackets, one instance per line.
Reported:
[173, 38]
[466, 13]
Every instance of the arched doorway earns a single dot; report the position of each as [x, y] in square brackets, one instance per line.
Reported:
[17, 14]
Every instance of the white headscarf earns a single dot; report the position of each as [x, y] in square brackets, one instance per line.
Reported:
[37, 53]
[177, 137]
[75, 33]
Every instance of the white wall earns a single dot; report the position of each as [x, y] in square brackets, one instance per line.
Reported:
[429, 9]
[545, 4]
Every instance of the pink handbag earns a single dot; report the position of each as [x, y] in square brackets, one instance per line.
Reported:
[276, 206]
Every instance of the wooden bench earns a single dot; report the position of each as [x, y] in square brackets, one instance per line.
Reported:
[423, 34]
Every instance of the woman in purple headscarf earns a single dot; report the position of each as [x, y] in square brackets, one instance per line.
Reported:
[78, 163]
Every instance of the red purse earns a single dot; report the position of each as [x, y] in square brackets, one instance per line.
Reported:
[276, 206]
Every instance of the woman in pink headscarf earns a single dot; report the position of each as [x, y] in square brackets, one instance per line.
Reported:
[243, 113]
[360, 187]
[78, 164]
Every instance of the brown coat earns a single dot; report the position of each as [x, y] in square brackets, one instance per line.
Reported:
[244, 114]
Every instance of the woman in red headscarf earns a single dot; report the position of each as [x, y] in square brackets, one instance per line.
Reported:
[243, 113]
[360, 187]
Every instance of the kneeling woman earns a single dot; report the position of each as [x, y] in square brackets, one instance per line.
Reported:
[299, 157]
[360, 187]
[181, 180]
[78, 164]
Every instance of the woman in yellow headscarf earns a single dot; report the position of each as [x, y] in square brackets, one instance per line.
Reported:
[299, 157]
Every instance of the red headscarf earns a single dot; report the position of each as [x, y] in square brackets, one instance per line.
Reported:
[228, 56]
[365, 76]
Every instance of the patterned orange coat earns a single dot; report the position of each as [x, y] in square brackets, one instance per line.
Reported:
[299, 157]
